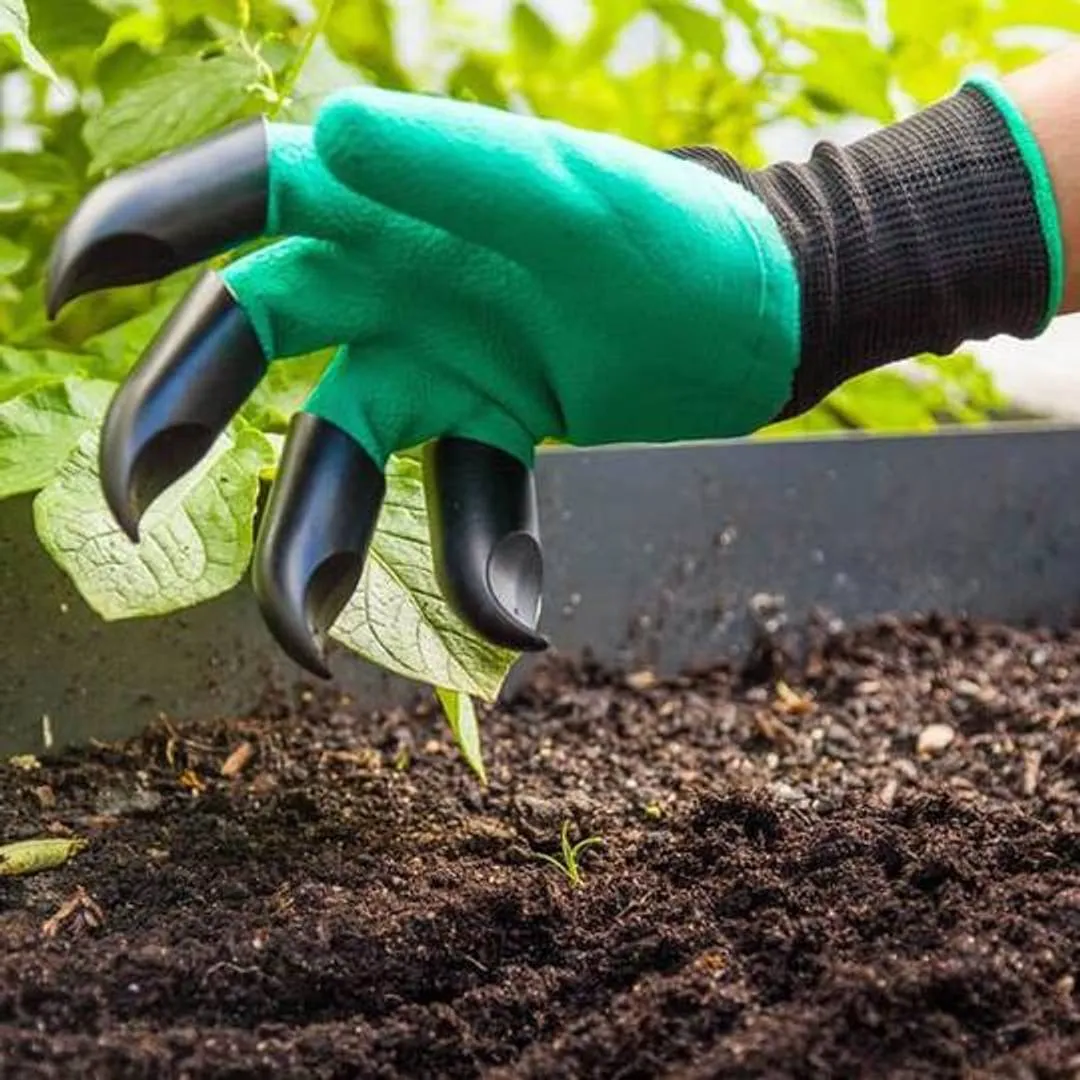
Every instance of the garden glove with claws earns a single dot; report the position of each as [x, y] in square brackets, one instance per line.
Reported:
[492, 281]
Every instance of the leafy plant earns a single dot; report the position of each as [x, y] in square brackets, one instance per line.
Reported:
[568, 862]
[88, 87]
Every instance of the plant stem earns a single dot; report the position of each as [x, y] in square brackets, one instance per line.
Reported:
[318, 25]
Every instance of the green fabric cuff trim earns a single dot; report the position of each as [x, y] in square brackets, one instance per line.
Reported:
[1045, 202]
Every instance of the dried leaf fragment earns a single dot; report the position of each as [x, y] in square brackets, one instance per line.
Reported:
[237, 761]
[44, 853]
[190, 779]
[641, 680]
[788, 701]
[81, 907]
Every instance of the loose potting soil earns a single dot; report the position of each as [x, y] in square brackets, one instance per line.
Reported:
[863, 864]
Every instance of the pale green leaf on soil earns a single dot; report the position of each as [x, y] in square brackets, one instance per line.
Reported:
[176, 101]
[41, 853]
[40, 428]
[15, 37]
[398, 617]
[196, 540]
[461, 716]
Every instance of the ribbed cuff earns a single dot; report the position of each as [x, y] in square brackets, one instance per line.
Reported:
[935, 230]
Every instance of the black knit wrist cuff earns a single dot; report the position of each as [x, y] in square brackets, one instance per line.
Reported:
[912, 240]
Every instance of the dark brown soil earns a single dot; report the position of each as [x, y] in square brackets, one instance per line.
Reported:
[787, 886]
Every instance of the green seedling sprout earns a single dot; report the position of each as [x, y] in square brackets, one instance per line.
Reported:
[570, 862]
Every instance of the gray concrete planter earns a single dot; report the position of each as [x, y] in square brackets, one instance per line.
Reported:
[654, 556]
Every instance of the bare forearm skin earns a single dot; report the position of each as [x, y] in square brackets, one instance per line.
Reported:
[1048, 94]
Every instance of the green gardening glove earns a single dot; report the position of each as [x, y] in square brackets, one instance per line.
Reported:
[493, 281]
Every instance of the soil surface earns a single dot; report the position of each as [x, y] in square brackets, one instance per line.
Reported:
[863, 864]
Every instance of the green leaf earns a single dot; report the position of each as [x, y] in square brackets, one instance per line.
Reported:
[13, 193]
[840, 14]
[696, 29]
[15, 37]
[533, 39]
[40, 428]
[24, 369]
[283, 390]
[847, 75]
[398, 617]
[13, 257]
[41, 178]
[1058, 14]
[147, 29]
[120, 346]
[476, 79]
[361, 32]
[884, 400]
[196, 539]
[60, 27]
[461, 716]
[176, 101]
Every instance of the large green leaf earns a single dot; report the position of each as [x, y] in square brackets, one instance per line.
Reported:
[177, 100]
[24, 369]
[15, 37]
[40, 428]
[398, 617]
[195, 543]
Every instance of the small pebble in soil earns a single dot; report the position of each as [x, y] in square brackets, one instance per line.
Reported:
[935, 738]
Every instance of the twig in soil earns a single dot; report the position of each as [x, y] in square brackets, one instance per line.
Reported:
[227, 965]
[1032, 768]
[44, 853]
[81, 907]
[635, 902]
[570, 863]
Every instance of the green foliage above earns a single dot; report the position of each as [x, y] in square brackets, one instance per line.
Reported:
[91, 86]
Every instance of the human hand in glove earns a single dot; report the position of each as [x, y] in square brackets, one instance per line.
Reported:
[492, 281]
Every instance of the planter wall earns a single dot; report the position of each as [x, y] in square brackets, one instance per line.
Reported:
[654, 557]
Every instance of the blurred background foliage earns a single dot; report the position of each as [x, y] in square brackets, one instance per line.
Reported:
[88, 87]
[91, 86]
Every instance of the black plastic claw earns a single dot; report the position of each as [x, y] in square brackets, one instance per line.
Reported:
[149, 221]
[195, 375]
[485, 536]
[314, 536]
